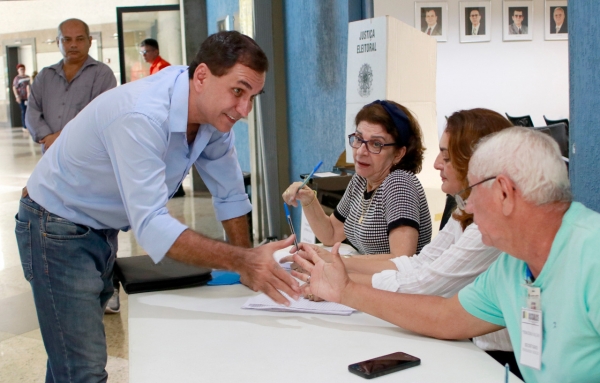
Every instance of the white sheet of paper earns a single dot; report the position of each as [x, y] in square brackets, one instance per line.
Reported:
[306, 233]
[263, 302]
[326, 174]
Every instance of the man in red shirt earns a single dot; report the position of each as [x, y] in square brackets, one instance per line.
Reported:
[151, 55]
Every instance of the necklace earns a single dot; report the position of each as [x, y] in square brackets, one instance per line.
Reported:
[362, 215]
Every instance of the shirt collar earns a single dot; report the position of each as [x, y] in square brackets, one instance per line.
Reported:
[178, 114]
[58, 67]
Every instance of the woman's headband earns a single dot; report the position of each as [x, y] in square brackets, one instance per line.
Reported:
[399, 118]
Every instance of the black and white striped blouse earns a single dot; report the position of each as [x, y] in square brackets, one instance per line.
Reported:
[398, 201]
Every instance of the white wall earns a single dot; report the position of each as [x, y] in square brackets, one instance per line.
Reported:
[516, 77]
[18, 16]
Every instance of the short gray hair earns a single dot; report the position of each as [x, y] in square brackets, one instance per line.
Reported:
[532, 160]
[85, 26]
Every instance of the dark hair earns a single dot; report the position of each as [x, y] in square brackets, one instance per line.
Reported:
[221, 51]
[376, 114]
[518, 9]
[85, 26]
[464, 129]
[430, 9]
[150, 42]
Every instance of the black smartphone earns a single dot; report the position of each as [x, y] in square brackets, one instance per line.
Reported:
[383, 365]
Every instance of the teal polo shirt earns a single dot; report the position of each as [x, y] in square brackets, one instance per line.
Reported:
[570, 297]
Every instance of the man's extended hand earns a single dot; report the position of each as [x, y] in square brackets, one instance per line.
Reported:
[49, 140]
[327, 279]
[260, 272]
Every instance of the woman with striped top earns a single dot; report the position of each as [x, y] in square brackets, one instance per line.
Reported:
[457, 255]
[384, 210]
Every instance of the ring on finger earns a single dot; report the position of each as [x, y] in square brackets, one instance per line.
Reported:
[310, 297]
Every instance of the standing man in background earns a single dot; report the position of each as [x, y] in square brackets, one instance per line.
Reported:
[21, 90]
[151, 55]
[62, 90]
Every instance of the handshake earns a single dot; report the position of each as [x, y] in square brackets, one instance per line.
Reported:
[323, 271]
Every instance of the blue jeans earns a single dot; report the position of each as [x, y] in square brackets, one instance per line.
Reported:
[70, 269]
[23, 111]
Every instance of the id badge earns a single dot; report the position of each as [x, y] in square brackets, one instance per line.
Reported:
[531, 338]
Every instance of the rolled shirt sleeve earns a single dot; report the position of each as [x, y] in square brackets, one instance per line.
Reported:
[220, 170]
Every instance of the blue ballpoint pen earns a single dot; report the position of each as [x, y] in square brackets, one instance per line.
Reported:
[310, 176]
[506, 369]
[289, 220]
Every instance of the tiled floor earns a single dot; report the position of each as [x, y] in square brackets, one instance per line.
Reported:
[22, 354]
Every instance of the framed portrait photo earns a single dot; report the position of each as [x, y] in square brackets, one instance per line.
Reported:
[475, 21]
[556, 24]
[432, 19]
[517, 20]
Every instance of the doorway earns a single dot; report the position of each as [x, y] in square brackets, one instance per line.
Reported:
[21, 51]
[134, 24]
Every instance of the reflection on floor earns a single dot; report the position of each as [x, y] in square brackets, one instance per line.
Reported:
[22, 354]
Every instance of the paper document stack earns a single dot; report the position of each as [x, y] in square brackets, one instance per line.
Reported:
[263, 302]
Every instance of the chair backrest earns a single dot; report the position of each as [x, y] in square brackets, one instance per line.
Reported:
[560, 133]
[552, 122]
[521, 121]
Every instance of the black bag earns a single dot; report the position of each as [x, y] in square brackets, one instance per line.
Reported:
[141, 275]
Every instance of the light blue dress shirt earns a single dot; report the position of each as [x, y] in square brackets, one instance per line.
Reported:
[117, 163]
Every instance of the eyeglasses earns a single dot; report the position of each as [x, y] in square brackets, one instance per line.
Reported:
[462, 203]
[146, 51]
[373, 146]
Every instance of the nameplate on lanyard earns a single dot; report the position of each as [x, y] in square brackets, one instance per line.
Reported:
[531, 338]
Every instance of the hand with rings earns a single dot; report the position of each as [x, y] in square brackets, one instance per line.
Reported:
[328, 280]
[307, 293]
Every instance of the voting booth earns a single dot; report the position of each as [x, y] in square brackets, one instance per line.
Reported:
[390, 60]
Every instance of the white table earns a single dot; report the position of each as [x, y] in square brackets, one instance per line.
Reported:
[202, 335]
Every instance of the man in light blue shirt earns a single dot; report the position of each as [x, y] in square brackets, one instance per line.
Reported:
[544, 289]
[114, 167]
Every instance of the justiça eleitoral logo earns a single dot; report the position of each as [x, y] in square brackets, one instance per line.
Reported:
[365, 80]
